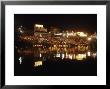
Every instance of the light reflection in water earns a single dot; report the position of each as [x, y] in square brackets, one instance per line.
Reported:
[20, 60]
[94, 55]
[37, 63]
[89, 53]
[45, 55]
[80, 56]
[70, 56]
[63, 56]
[58, 55]
[40, 55]
[73, 56]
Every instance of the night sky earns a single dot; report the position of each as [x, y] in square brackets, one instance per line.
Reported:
[80, 22]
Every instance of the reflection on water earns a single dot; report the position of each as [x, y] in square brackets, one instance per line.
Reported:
[37, 63]
[94, 55]
[80, 56]
[56, 53]
[55, 61]
[43, 55]
[40, 55]
[20, 60]
[76, 56]
[89, 53]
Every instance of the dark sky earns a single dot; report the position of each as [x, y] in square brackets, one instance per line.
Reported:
[80, 22]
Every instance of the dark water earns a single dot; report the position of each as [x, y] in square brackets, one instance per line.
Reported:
[45, 62]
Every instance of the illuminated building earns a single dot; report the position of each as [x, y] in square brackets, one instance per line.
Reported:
[39, 30]
[81, 34]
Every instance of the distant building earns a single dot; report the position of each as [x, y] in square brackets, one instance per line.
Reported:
[39, 29]
[81, 34]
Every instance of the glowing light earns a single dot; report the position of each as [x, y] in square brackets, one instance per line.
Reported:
[58, 55]
[38, 25]
[66, 55]
[89, 53]
[70, 34]
[80, 56]
[21, 31]
[40, 55]
[94, 55]
[82, 34]
[19, 28]
[63, 56]
[89, 39]
[58, 34]
[55, 46]
[70, 56]
[20, 60]
[37, 63]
